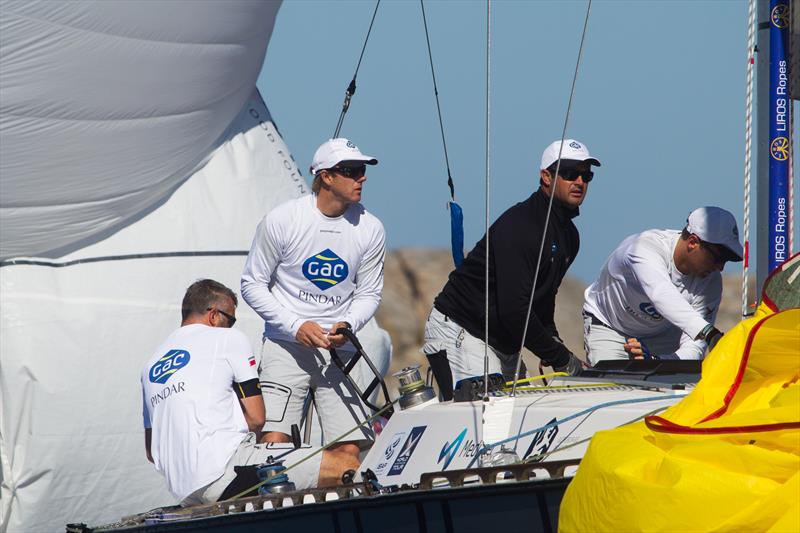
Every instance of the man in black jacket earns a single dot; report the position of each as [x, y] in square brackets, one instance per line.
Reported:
[456, 325]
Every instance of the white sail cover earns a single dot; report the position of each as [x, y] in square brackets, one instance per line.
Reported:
[136, 157]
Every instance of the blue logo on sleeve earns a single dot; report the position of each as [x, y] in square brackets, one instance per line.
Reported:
[170, 363]
[650, 310]
[325, 269]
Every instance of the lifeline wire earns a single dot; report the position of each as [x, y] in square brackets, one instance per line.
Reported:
[552, 195]
[486, 284]
[560, 448]
[320, 450]
[586, 411]
[748, 124]
[438, 107]
[351, 89]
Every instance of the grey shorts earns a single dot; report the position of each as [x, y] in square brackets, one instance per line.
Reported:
[603, 343]
[289, 370]
[305, 475]
[465, 353]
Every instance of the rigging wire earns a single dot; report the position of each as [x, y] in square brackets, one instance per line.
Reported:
[438, 106]
[748, 125]
[488, 177]
[550, 203]
[351, 88]
[456, 213]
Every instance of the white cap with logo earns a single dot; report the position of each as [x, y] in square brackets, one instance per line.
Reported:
[717, 226]
[573, 150]
[335, 151]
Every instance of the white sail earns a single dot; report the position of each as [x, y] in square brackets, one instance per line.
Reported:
[136, 156]
[106, 107]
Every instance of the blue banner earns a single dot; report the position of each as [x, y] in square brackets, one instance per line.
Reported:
[780, 109]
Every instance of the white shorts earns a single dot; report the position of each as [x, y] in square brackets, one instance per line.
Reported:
[465, 353]
[604, 343]
[289, 370]
[304, 476]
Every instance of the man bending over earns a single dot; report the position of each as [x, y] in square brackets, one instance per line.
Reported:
[659, 292]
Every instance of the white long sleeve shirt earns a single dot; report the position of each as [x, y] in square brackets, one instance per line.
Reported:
[641, 293]
[304, 266]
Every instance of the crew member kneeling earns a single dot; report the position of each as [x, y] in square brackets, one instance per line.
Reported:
[203, 411]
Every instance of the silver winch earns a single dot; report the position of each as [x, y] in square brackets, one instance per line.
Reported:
[413, 391]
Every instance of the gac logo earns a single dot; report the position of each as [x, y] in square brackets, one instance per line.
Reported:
[325, 269]
[648, 309]
[170, 363]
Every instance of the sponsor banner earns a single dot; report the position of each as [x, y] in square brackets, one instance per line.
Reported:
[409, 446]
[779, 247]
[389, 452]
[461, 447]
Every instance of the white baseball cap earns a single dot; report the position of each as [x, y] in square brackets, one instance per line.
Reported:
[573, 150]
[335, 151]
[717, 226]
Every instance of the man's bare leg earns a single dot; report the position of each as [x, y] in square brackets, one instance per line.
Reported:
[350, 448]
[275, 436]
[333, 465]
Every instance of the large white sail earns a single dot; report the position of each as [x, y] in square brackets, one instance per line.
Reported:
[137, 156]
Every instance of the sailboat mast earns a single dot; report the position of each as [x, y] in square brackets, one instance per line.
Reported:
[774, 140]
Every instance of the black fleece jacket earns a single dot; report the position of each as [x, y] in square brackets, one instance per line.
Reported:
[513, 249]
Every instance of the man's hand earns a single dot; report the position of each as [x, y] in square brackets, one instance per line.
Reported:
[312, 335]
[573, 366]
[636, 349]
[338, 340]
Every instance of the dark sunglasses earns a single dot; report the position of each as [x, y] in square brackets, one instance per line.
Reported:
[351, 172]
[231, 318]
[571, 174]
[715, 251]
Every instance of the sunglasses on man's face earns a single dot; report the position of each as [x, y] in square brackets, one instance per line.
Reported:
[715, 251]
[571, 174]
[350, 172]
[231, 318]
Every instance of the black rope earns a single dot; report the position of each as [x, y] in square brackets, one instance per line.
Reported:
[438, 107]
[351, 89]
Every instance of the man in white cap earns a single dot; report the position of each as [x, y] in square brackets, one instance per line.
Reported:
[659, 292]
[315, 266]
[455, 326]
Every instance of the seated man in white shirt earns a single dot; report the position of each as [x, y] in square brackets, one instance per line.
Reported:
[659, 291]
[203, 410]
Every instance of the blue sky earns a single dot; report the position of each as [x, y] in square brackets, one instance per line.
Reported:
[659, 100]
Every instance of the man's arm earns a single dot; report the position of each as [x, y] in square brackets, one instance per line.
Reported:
[148, 439]
[648, 267]
[261, 263]
[148, 432]
[252, 404]
[706, 305]
[369, 283]
[246, 385]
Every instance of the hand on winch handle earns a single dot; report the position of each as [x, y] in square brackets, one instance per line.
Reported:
[637, 349]
[338, 339]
